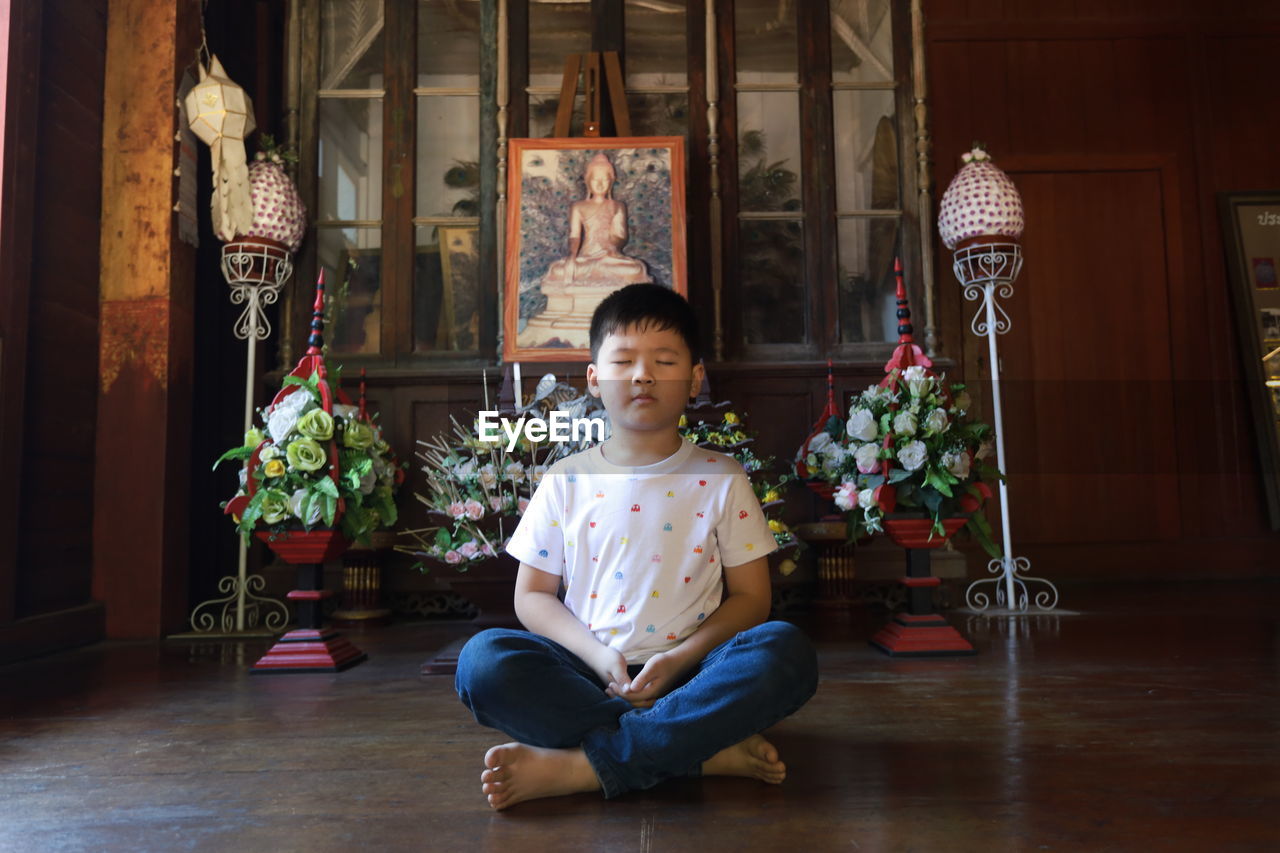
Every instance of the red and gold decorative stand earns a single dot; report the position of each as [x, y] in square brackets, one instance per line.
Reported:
[920, 632]
[309, 647]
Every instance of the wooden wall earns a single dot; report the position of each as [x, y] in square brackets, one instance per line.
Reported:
[1131, 451]
[51, 205]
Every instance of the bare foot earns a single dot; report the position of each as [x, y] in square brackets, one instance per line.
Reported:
[754, 758]
[516, 772]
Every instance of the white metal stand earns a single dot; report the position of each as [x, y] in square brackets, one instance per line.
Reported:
[987, 272]
[256, 271]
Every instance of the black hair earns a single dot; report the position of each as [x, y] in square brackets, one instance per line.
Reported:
[645, 305]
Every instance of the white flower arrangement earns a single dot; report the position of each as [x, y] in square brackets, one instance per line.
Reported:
[906, 446]
[311, 468]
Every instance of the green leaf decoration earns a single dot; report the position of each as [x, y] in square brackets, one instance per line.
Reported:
[897, 475]
[980, 529]
[240, 453]
[326, 486]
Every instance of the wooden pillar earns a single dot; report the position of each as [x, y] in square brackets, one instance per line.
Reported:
[142, 473]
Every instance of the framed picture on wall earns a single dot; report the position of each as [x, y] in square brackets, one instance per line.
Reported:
[586, 216]
[1251, 238]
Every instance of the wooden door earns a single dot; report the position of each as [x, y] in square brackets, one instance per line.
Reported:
[1087, 377]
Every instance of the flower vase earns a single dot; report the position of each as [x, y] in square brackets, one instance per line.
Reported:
[309, 647]
[920, 632]
[305, 546]
[912, 532]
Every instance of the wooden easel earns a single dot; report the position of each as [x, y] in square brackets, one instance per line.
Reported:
[589, 64]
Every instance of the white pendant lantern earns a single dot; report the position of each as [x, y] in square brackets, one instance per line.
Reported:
[221, 114]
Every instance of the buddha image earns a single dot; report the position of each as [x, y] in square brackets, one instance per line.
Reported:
[559, 302]
[597, 234]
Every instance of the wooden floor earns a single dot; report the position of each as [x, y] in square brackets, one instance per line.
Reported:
[1150, 721]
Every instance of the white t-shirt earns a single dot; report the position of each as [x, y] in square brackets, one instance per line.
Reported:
[640, 549]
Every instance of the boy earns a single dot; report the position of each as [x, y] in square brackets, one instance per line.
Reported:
[658, 662]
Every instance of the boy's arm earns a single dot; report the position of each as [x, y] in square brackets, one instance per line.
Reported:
[542, 612]
[748, 597]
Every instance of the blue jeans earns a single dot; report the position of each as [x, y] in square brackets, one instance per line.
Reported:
[541, 694]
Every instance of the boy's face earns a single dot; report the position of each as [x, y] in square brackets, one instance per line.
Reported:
[645, 377]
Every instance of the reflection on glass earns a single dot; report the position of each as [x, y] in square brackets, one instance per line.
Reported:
[766, 41]
[656, 37]
[350, 162]
[542, 115]
[352, 258]
[866, 287]
[446, 289]
[773, 293]
[866, 150]
[861, 41]
[448, 155]
[448, 43]
[351, 44]
[659, 115]
[768, 151]
[555, 31]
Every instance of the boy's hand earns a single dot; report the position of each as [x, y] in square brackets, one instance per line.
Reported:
[610, 667]
[654, 681]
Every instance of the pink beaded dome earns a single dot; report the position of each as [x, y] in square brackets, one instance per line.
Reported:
[278, 211]
[981, 202]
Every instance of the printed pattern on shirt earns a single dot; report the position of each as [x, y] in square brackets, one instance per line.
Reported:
[641, 550]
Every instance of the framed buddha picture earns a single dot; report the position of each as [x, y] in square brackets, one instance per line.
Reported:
[586, 216]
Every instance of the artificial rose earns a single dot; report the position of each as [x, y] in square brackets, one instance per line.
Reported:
[956, 463]
[862, 425]
[295, 507]
[865, 457]
[283, 417]
[496, 504]
[469, 550]
[913, 455]
[357, 435]
[918, 382]
[487, 550]
[936, 422]
[457, 509]
[253, 437]
[730, 418]
[867, 499]
[317, 424]
[904, 423]
[273, 468]
[474, 510]
[515, 472]
[465, 471]
[270, 452]
[846, 497]
[306, 455]
[275, 506]
[453, 558]
[489, 476]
